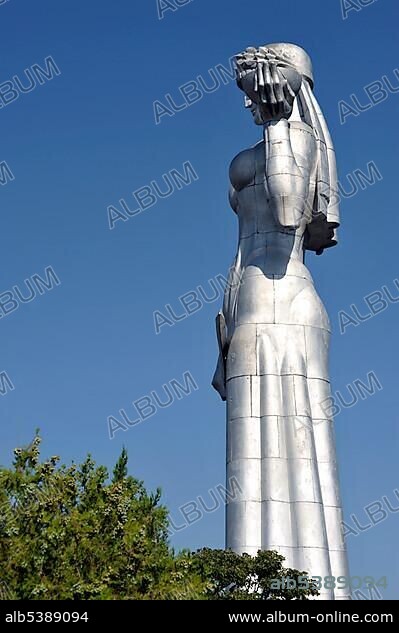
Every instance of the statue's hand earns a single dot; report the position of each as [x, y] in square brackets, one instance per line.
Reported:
[272, 86]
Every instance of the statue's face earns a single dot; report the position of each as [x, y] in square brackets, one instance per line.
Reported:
[259, 115]
[255, 111]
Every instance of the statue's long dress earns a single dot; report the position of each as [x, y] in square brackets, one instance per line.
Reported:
[280, 438]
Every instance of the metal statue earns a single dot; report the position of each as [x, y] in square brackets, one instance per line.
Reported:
[274, 331]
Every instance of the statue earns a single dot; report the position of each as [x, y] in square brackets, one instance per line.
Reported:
[273, 331]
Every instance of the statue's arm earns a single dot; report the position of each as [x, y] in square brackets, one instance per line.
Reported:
[224, 318]
[287, 185]
[273, 87]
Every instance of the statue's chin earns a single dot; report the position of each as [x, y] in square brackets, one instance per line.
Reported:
[258, 120]
[262, 118]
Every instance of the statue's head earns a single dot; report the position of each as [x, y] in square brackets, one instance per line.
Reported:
[293, 56]
[271, 77]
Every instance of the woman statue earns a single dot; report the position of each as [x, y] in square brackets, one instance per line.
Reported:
[274, 331]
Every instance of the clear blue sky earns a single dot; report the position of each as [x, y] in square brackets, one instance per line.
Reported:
[87, 138]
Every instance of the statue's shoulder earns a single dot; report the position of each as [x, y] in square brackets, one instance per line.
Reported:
[243, 166]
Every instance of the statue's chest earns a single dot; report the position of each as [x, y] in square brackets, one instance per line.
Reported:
[248, 167]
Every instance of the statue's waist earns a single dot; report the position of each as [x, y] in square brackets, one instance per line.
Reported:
[274, 266]
[289, 299]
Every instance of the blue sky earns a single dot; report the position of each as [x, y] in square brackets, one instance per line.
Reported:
[87, 138]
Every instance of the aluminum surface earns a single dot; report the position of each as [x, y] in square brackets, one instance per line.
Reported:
[273, 361]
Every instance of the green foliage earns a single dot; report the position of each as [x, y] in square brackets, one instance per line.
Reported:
[67, 533]
[230, 576]
[120, 470]
[71, 533]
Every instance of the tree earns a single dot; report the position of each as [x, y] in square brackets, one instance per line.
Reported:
[71, 533]
[230, 576]
[68, 533]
